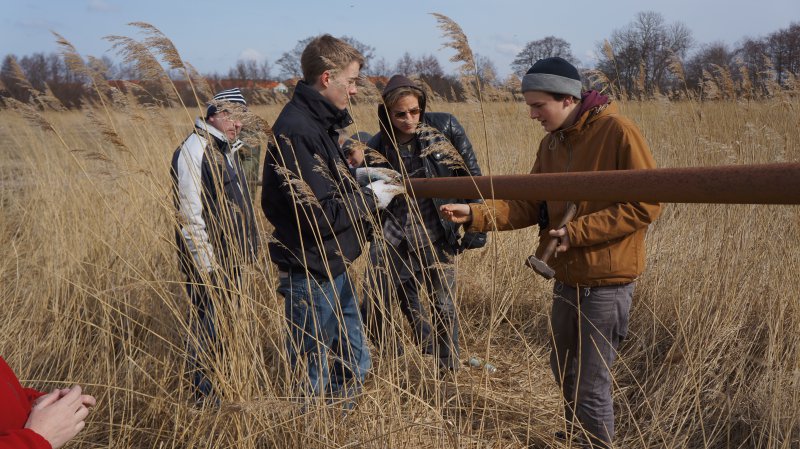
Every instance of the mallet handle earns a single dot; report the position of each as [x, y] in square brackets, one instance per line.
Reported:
[551, 245]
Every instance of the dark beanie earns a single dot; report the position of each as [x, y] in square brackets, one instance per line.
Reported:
[553, 75]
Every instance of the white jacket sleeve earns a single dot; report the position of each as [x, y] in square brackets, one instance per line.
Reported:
[190, 190]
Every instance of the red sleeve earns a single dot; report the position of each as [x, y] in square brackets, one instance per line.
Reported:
[22, 439]
[32, 394]
[16, 406]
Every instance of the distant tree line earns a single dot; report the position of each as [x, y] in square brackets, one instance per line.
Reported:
[645, 59]
[650, 57]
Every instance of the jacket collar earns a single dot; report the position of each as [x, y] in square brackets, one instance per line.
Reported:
[221, 139]
[592, 107]
[205, 126]
[320, 108]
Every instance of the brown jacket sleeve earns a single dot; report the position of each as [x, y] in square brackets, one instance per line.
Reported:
[505, 215]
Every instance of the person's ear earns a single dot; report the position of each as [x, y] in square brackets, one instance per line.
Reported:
[325, 78]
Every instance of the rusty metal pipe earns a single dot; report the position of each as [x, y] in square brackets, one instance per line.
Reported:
[734, 184]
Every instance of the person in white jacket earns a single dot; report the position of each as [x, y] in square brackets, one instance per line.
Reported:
[216, 231]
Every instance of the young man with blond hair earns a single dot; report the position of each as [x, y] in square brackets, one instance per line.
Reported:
[601, 252]
[319, 215]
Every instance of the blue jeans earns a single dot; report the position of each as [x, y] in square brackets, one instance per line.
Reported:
[588, 326]
[325, 332]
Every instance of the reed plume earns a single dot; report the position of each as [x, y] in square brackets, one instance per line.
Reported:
[48, 99]
[746, 85]
[157, 41]
[163, 46]
[711, 90]
[641, 80]
[19, 79]
[457, 40]
[107, 131]
[725, 81]
[135, 53]
[30, 114]
[199, 82]
[440, 147]
[608, 51]
[599, 81]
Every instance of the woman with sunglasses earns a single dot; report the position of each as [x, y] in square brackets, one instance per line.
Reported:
[416, 248]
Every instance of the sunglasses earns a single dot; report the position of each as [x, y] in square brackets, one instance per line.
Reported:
[402, 114]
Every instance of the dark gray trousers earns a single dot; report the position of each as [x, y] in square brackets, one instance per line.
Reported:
[402, 272]
[588, 326]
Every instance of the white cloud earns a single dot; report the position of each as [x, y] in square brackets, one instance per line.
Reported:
[100, 6]
[251, 54]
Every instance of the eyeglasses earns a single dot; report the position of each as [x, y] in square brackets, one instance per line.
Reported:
[402, 114]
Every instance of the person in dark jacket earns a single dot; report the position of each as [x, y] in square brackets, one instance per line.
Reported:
[216, 231]
[319, 212]
[419, 246]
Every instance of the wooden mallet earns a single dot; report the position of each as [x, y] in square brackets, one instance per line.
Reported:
[540, 265]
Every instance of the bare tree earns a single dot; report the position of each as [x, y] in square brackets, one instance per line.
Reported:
[289, 62]
[707, 58]
[380, 67]
[641, 53]
[250, 70]
[784, 48]
[487, 72]
[428, 65]
[543, 48]
[405, 65]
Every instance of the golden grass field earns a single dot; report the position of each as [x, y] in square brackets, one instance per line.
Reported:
[91, 295]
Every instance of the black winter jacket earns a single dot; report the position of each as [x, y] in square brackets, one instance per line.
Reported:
[437, 164]
[309, 194]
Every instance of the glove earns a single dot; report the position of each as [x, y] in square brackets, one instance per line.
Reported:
[384, 192]
[366, 175]
[471, 240]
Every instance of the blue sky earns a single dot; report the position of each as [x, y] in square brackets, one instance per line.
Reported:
[212, 35]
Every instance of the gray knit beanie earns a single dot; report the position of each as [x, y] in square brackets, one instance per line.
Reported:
[554, 75]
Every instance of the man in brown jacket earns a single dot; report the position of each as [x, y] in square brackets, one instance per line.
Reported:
[601, 251]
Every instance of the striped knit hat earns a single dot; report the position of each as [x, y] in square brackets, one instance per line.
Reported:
[229, 95]
[554, 75]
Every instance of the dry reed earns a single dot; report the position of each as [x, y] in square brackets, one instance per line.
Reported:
[92, 295]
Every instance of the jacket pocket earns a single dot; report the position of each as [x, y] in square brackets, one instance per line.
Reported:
[597, 261]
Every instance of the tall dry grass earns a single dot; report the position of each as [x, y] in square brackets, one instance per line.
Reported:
[93, 295]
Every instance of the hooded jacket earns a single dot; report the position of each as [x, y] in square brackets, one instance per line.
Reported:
[215, 212]
[440, 127]
[309, 194]
[607, 239]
